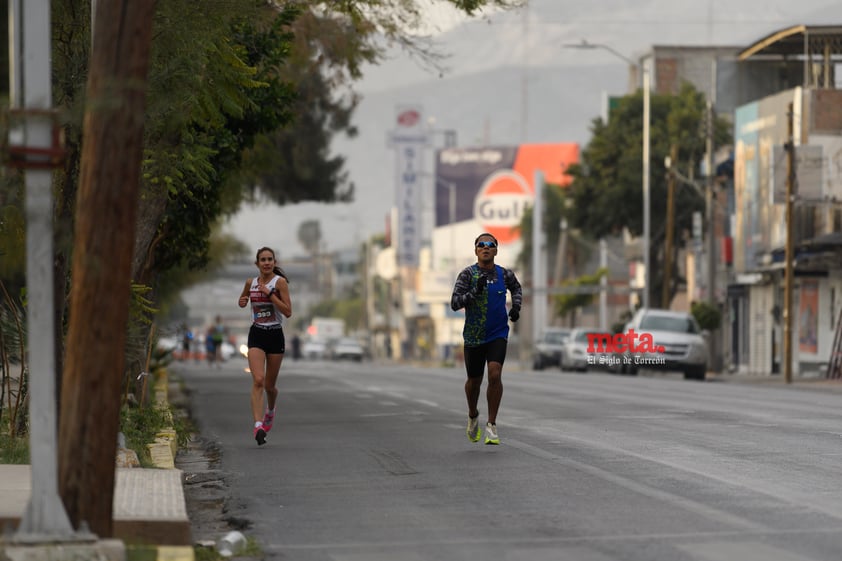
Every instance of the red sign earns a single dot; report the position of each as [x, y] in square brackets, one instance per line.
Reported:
[409, 118]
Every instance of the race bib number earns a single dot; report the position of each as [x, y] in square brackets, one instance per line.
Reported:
[264, 313]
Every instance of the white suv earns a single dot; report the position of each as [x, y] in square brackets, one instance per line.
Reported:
[684, 346]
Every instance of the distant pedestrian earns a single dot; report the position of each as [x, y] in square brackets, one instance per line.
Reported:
[218, 335]
[296, 347]
[186, 342]
[270, 304]
[210, 346]
[481, 290]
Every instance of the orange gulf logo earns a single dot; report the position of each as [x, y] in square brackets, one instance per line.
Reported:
[500, 204]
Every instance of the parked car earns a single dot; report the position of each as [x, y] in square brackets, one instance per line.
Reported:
[314, 349]
[575, 354]
[684, 345]
[347, 348]
[548, 348]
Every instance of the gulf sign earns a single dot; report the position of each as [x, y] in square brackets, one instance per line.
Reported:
[493, 186]
[501, 202]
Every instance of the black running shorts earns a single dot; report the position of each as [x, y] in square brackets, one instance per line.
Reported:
[269, 339]
[476, 356]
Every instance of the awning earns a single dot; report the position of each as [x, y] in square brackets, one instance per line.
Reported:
[797, 40]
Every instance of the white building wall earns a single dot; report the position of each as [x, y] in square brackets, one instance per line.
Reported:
[761, 298]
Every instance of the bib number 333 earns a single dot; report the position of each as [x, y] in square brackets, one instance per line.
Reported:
[264, 313]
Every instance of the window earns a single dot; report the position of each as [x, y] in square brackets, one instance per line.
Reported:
[676, 324]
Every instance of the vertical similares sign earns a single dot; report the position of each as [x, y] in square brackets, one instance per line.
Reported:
[409, 140]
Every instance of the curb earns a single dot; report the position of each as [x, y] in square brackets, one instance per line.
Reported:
[162, 451]
[165, 447]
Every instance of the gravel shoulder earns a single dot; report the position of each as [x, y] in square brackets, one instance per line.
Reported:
[207, 493]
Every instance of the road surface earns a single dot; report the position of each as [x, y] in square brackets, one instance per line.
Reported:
[371, 462]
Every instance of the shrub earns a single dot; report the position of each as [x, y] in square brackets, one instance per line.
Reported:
[707, 315]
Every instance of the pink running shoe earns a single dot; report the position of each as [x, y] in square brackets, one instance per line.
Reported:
[268, 419]
[260, 435]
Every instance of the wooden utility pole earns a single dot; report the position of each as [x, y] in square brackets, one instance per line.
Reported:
[666, 291]
[109, 187]
[789, 250]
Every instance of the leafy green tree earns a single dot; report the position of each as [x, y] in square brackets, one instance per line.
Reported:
[606, 191]
[332, 41]
[566, 305]
[263, 95]
[222, 74]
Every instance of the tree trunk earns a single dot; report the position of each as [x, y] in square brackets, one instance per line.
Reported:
[150, 212]
[103, 247]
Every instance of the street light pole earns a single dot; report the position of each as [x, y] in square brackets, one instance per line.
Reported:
[452, 204]
[45, 518]
[451, 260]
[647, 207]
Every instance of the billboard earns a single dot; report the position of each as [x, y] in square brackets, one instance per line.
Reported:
[487, 189]
[760, 127]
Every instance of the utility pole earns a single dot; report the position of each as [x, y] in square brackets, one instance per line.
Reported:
[647, 205]
[603, 285]
[109, 189]
[368, 281]
[561, 254]
[714, 364]
[789, 251]
[710, 217]
[539, 282]
[666, 292]
[709, 208]
[32, 142]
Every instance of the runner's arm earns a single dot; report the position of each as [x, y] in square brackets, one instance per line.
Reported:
[514, 287]
[280, 297]
[462, 293]
[244, 295]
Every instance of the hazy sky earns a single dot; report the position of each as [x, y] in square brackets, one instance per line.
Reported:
[510, 80]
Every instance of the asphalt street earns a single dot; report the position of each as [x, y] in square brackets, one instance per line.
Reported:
[371, 462]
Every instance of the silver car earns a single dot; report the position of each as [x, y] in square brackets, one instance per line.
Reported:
[548, 348]
[577, 352]
[347, 348]
[679, 340]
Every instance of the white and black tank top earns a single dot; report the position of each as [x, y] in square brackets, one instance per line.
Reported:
[263, 312]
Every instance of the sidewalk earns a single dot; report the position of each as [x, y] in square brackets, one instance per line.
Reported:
[819, 384]
[148, 504]
[149, 510]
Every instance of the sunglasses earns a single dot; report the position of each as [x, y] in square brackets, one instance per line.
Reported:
[492, 245]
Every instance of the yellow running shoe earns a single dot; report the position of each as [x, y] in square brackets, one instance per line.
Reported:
[473, 429]
[491, 434]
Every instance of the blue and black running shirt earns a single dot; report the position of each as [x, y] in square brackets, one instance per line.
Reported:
[486, 318]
